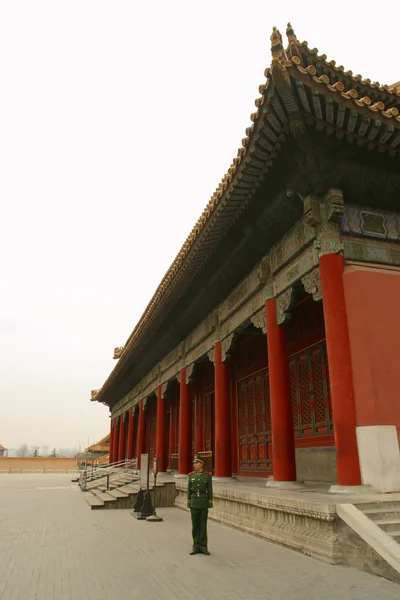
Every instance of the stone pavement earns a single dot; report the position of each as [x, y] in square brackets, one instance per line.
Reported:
[52, 547]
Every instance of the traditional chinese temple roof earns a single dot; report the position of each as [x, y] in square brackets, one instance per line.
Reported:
[102, 445]
[2, 447]
[302, 91]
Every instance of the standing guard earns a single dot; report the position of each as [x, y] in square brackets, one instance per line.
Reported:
[199, 500]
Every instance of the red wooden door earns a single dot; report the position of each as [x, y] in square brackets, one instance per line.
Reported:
[254, 422]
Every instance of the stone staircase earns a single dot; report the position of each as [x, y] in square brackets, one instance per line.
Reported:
[384, 514]
[122, 493]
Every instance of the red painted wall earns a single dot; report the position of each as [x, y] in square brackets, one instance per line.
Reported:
[373, 312]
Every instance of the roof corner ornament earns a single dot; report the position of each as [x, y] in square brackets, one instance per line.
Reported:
[94, 394]
[277, 50]
[293, 49]
[118, 352]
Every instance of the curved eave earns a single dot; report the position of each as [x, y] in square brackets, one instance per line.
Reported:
[263, 141]
[364, 86]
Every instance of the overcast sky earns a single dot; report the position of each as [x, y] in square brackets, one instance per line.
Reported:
[117, 122]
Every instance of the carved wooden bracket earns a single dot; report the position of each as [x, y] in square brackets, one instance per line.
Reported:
[164, 389]
[312, 284]
[259, 320]
[329, 238]
[211, 355]
[284, 304]
[189, 373]
[225, 347]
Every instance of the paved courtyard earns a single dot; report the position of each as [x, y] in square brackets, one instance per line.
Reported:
[52, 547]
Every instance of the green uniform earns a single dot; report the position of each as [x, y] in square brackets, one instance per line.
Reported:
[199, 500]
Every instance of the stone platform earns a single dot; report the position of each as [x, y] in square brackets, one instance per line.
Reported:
[303, 518]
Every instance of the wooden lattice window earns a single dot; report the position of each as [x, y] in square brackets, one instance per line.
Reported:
[310, 392]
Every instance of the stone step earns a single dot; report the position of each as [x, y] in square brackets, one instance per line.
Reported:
[94, 502]
[117, 494]
[395, 535]
[389, 504]
[383, 513]
[388, 525]
[106, 497]
[130, 488]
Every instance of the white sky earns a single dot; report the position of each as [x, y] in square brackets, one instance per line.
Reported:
[117, 122]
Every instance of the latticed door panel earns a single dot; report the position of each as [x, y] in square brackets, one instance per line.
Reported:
[310, 392]
[254, 422]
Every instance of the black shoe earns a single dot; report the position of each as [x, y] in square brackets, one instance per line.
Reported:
[193, 552]
[206, 552]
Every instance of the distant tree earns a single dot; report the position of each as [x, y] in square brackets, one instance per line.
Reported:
[53, 453]
[35, 452]
[23, 450]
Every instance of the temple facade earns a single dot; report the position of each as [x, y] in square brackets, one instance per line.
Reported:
[271, 345]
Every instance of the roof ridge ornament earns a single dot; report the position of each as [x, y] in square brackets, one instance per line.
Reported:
[277, 49]
[293, 48]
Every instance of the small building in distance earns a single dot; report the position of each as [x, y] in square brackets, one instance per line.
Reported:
[3, 451]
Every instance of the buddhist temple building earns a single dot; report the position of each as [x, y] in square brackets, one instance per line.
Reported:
[271, 345]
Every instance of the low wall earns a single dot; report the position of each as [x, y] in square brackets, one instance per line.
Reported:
[11, 464]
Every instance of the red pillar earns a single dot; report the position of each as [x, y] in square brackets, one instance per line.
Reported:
[121, 445]
[172, 435]
[198, 422]
[110, 454]
[185, 426]
[340, 373]
[160, 431]
[222, 416]
[140, 434]
[116, 439]
[284, 463]
[130, 450]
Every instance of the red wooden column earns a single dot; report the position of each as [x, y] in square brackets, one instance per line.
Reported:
[130, 450]
[111, 441]
[121, 445]
[198, 421]
[185, 426]
[140, 434]
[222, 415]
[340, 373]
[284, 463]
[116, 439]
[172, 436]
[160, 430]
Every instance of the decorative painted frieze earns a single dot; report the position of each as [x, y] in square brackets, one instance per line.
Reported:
[291, 244]
[378, 252]
[371, 223]
[295, 270]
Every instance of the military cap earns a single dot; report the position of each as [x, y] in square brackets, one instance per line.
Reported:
[198, 458]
